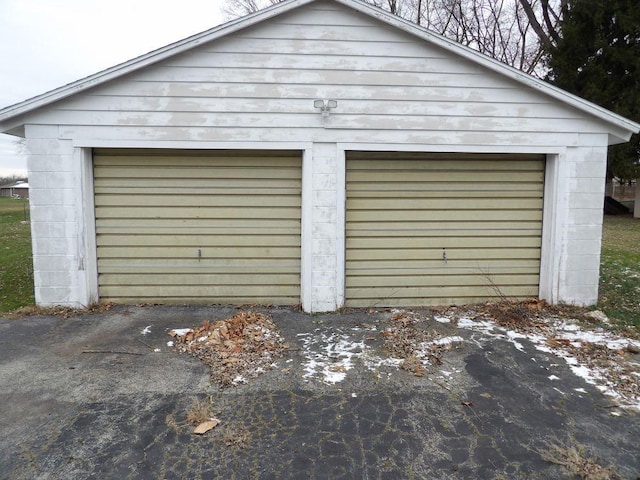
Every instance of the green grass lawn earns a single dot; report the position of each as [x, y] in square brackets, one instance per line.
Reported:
[620, 270]
[16, 267]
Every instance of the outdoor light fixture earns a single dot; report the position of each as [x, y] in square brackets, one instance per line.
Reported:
[325, 106]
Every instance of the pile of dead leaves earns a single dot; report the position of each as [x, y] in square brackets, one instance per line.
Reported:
[523, 317]
[234, 349]
[406, 340]
[59, 311]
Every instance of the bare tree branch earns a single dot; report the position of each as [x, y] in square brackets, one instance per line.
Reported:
[515, 32]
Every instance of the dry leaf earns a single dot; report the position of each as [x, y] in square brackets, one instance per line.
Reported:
[204, 427]
[467, 404]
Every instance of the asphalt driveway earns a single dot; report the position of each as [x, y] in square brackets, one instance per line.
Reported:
[103, 396]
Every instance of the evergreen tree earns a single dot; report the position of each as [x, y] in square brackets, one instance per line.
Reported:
[598, 58]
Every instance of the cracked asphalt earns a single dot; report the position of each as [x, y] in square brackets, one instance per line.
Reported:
[88, 397]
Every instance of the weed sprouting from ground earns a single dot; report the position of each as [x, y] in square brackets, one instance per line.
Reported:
[575, 461]
[199, 412]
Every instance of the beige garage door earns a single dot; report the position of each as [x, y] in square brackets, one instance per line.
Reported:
[198, 226]
[425, 229]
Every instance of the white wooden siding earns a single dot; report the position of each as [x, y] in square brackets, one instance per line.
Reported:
[259, 84]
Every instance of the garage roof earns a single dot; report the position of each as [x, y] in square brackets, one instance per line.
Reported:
[12, 118]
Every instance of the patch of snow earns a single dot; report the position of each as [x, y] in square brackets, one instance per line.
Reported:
[553, 377]
[447, 340]
[329, 355]
[238, 380]
[146, 330]
[512, 336]
[562, 332]
[157, 350]
[181, 332]
[580, 390]
[170, 344]
[442, 319]
[598, 336]
[493, 330]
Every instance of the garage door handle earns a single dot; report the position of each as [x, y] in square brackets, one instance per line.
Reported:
[444, 255]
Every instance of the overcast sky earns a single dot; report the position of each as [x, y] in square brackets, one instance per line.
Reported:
[48, 43]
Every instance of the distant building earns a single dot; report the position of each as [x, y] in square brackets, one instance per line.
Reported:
[18, 189]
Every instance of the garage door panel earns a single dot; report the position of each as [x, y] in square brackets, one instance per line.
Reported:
[164, 270]
[259, 189]
[359, 232]
[418, 204]
[206, 299]
[443, 215]
[209, 293]
[397, 267]
[444, 158]
[435, 242]
[198, 279]
[115, 225]
[442, 228]
[201, 185]
[443, 279]
[199, 241]
[421, 254]
[198, 212]
[204, 231]
[192, 252]
[402, 297]
[195, 159]
[180, 172]
[434, 190]
[227, 200]
[444, 176]
[205, 226]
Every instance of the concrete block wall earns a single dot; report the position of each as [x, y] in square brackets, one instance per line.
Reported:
[324, 228]
[582, 225]
[53, 178]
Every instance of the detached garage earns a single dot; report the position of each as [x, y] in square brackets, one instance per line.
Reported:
[321, 152]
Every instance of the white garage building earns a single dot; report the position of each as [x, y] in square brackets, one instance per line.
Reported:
[320, 152]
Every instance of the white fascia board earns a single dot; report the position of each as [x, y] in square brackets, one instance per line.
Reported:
[12, 111]
[628, 126]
